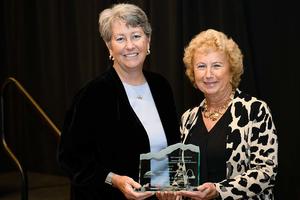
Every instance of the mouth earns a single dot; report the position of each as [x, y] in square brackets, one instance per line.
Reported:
[210, 84]
[131, 55]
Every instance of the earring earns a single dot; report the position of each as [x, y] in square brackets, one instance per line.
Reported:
[148, 51]
[111, 57]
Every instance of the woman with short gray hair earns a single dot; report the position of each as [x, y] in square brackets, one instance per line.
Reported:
[121, 114]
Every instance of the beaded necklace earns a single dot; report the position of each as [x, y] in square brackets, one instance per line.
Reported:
[216, 113]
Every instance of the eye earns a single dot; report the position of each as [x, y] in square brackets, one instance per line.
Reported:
[136, 36]
[216, 65]
[201, 66]
[119, 39]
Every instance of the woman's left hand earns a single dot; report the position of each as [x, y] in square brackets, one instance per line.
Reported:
[127, 186]
[205, 191]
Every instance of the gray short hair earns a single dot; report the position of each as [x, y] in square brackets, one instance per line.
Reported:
[131, 14]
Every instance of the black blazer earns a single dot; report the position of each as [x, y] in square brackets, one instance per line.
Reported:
[102, 134]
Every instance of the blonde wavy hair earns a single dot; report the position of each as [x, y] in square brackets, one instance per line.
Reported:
[217, 41]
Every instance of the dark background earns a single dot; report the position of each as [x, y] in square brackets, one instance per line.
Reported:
[53, 47]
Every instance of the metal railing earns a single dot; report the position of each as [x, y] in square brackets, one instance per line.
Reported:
[41, 113]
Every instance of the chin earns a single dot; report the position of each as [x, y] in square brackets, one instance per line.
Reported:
[210, 91]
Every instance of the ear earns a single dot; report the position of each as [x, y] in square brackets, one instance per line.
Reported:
[108, 47]
[148, 45]
[231, 80]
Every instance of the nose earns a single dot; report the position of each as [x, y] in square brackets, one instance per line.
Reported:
[208, 72]
[129, 44]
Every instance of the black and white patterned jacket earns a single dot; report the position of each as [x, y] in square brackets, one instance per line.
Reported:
[251, 149]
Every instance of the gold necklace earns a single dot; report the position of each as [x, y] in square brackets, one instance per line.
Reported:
[217, 113]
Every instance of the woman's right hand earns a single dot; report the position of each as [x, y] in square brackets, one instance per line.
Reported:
[205, 191]
[127, 186]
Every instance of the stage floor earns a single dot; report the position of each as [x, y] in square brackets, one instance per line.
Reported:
[41, 186]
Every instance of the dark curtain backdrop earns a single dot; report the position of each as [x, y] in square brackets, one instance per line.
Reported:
[53, 47]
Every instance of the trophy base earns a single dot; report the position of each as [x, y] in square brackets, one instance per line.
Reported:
[166, 188]
[174, 168]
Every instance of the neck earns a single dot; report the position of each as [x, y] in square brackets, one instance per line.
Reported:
[215, 102]
[131, 77]
[215, 112]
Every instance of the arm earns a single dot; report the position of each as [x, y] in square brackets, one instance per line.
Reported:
[77, 153]
[262, 146]
[85, 150]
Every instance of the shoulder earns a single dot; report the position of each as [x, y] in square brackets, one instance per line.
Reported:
[188, 120]
[95, 89]
[246, 100]
[155, 78]
[159, 85]
[247, 104]
[190, 111]
[190, 115]
[91, 87]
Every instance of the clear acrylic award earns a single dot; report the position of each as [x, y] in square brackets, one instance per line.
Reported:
[172, 169]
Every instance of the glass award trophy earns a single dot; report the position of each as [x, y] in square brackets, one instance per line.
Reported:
[172, 169]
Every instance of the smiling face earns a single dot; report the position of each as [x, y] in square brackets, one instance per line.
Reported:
[212, 72]
[128, 46]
